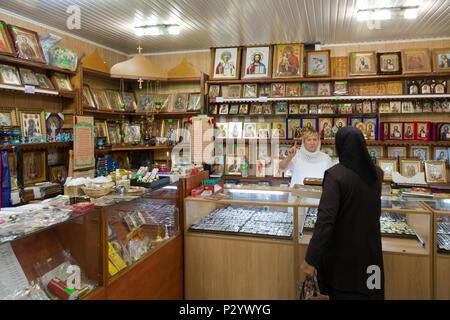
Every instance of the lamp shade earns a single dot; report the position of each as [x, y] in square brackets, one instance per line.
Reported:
[138, 67]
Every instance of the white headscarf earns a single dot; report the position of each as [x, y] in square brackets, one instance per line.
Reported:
[315, 156]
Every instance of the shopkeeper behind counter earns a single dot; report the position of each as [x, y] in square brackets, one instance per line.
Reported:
[309, 161]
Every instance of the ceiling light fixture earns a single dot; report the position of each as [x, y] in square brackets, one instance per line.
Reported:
[157, 29]
[386, 13]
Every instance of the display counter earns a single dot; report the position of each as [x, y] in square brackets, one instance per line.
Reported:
[46, 242]
[241, 247]
[250, 245]
[441, 222]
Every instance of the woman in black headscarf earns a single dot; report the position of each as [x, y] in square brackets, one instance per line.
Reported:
[345, 250]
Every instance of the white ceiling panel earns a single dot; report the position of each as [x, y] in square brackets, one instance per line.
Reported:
[215, 23]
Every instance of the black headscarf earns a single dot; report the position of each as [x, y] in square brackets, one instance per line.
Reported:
[352, 151]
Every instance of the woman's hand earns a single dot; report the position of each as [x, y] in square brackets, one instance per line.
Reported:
[292, 151]
[308, 269]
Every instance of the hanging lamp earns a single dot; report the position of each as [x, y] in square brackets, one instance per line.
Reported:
[139, 68]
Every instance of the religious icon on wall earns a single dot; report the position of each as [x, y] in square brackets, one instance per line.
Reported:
[257, 62]
[225, 63]
[288, 61]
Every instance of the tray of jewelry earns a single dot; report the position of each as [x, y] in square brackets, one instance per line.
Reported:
[246, 221]
[443, 237]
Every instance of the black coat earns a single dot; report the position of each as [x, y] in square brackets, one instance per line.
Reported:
[347, 236]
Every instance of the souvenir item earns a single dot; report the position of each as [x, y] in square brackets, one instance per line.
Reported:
[420, 152]
[145, 103]
[339, 66]
[8, 117]
[318, 63]
[6, 45]
[54, 123]
[313, 109]
[263, 130]
[329, 150]
[213, 109]
[340, 88]
[407, 106]
[115, 137]
[325, 128]
[218, 166]
[362, 127]
[441, 154]
[358, 107]
[371, 125]
[435, 172]
[195, 102]
[223, 109]
[340, 122]
[441, 60]
[309, 89]
[34, 166]
[396, 152]
[427, 106]
[214, 91]
[234, 91]
[161, 103]
[367, 107]
[293, 108]
[9, 75]
[294, 129]
[409, 131]
[264, 90]
[250, 91]
[256, 109]
[413, 87]
[43, 81]
[278, 90]
[437, 106]
[260, 168]
[114, 100]
[267, 108]
[395, 106]
[385, 107]
[416, 61]
[292, 89]
[440, 87]
[288, 61]
[375, 152]
[388, 166]
[281, 108]
[235, 130]
[28, 78]
[27, 44]
[62, 82]
[132, 133]
[423, 131]
[57, 174]
[279, 130]
[444, 132]
[396, 130]
[226, 63]
[409, 168]
[179, 102]
[257, 62]
[101, 130]
[324, 89]
[234, 109]
[32, 124]
[362, 63]
[170, 129]
[63, 58]
[425, 87]
[309, 123]
[233, 165]
[129, 101]
[222, 130]
[303, 109]
[249, 131]
[243, 108]
[389, 63]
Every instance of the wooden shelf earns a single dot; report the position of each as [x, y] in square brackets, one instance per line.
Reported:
[317, 79]
[38, 146]
[336, 98]
[96, 73]
[332, 142]
[164, 114]
[298, 116]
[238, 177]
[131, 148]
[38, 91]
[8, 59]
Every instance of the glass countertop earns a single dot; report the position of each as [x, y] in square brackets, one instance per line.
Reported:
[439, 204]
[258, 195]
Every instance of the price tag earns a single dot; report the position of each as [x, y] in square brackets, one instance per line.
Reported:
[261, 119]
[223, 119]
[235, 119]
[247, 119]
[30, 89]
[262, 99]
[219, 99]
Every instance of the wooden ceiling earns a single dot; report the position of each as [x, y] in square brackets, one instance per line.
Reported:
[216, 23]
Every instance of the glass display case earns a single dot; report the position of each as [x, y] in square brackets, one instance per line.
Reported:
[138, 225]
[441, 208]
[49, 250]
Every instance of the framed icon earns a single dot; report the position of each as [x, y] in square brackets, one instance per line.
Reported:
[409, 168]
[441, 60]
[435, 172]
[389, 166]
[389, 63]
[416, 60]
[6, 44]
[257, 62]
[226, 63]
[27, 44]
[362, 63]
[318, 63]
[288, 60]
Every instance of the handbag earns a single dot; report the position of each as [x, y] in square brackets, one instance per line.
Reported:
[310, 290]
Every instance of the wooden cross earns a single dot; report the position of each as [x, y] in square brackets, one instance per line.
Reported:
[139, 48]
[140, 83]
